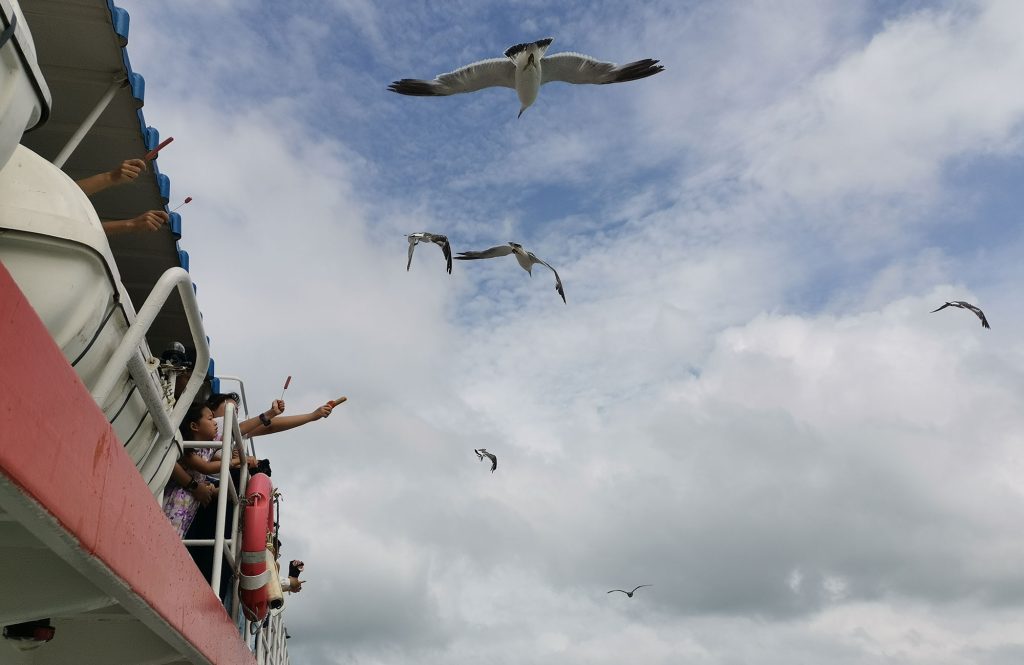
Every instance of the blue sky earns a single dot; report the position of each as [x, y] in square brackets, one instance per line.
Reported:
[745, 401]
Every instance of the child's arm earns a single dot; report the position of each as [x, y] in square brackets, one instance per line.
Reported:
[192, 461]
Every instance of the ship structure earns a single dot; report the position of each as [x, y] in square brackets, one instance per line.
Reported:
[102, 350]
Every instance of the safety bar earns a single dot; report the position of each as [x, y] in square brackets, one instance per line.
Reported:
[127, 353]
[225, 548]
[270, 647]
[269, 644]
[245, 405]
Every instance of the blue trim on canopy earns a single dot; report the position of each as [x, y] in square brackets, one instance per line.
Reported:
[164, 183]
[138, 86]
[151, 137]
[121, 21]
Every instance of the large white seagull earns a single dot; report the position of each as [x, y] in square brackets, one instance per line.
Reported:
[526, 68]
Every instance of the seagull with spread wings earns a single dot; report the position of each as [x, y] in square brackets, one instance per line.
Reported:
[526, 68]
[630, 593]
[526, 260]
[482, 453]
[966, 305]
[439, 240]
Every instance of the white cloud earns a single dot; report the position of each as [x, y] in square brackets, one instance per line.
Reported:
[806, 471]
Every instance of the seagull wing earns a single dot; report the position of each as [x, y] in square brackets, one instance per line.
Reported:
[479, 454]
[640, 587]
[412, 246]
[493, 252]
[446, 249]
[496, 72]
[579, 68]
[949, 304]
[494, 460]
[980, 314]
[619, 590]
[558, 280]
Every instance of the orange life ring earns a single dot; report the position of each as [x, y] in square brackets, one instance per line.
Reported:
[255, 575]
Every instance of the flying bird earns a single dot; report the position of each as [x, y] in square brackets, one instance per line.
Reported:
[966, 305]
[526, 68]
[482, 453]
[630, 593]
[526, 260]
[439, 240]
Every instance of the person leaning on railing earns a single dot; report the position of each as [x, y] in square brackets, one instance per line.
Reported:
[188, 488]
[129, 170]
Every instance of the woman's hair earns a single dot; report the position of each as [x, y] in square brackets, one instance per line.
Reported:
[193, 415]
[217, 399]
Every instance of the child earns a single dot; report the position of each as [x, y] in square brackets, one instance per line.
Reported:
[188, 487]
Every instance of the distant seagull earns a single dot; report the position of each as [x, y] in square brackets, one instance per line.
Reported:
[482, 453]
[630, 593]
[526, 260]
[526, 68]
[439, 240]
[966, 305]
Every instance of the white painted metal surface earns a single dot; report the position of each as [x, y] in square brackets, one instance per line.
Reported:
[24, 98]
[54, 246]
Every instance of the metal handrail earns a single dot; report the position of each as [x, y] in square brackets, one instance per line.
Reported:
[245, 404]
[270, 646]
[225, 548]
[128, 356]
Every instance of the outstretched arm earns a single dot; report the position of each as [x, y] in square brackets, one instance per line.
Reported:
[255, 426]
[289, 422]
[128, 170]
[151, 220]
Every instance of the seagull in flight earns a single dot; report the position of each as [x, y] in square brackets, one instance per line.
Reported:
[526, 68]
[966, 305]
[482, 453]
[630, 593]
[526, 260]
[439, 240]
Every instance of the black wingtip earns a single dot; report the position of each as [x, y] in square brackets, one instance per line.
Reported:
[414, 88]
[637, 70]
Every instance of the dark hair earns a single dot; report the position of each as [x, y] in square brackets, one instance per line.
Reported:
[193, 415]
[217, 399]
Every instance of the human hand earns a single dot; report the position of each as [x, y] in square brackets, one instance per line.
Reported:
[151, 220]
[295, 584]
[204, 493]
[323, 411]
[277, 407]
[128, 170]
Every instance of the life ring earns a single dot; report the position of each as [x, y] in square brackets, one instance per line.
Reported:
[256, 575]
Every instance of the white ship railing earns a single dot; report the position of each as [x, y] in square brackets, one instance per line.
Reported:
[128, 355]
[270, 647]
[269, 642]
[224, 548]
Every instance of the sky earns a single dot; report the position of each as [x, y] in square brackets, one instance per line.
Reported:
[745, 402]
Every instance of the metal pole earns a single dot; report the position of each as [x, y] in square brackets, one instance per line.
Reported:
[227, 434]
[87, 124]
